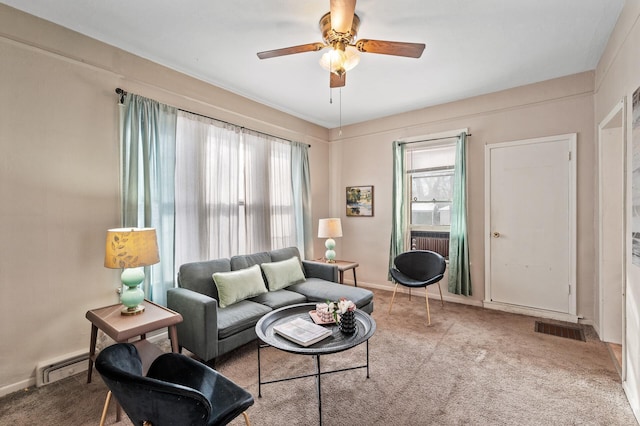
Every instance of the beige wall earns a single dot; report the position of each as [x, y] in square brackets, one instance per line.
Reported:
[59, 177]
[553, 107]
[59, 171]
[617, 77]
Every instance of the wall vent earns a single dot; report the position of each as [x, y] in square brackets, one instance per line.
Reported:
[61, 368]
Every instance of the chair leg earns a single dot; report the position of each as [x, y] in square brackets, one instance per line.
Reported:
[426, 296]
[246, 418]
[393, 297]
[441, 299]
[104, 410]
[409, 294]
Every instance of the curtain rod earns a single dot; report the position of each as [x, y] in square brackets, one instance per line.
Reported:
[434, 139]
[123, 93]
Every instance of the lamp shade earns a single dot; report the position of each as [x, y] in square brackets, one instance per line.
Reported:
[131, 248]
[330, 228]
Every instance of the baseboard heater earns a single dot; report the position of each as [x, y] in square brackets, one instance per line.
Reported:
[61, 368]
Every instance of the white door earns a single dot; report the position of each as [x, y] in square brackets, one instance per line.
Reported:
[531, 223]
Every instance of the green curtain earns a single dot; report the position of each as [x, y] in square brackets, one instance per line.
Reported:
[459, 274]
[301, 189]
[397, 245]
[148, 138]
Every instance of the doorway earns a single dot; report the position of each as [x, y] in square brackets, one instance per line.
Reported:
[530, 226]
[611, 230]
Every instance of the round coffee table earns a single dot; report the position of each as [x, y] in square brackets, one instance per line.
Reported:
[336, 342]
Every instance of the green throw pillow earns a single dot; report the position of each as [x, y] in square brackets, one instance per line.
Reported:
[283, 274]
[238, 285]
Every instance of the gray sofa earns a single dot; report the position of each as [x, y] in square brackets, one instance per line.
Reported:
[209, 331]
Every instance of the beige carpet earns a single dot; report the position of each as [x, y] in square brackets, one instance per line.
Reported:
[471, 367]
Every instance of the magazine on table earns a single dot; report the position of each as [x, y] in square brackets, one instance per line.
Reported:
[302, 332]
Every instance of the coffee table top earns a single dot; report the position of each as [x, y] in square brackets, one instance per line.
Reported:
[337, 342]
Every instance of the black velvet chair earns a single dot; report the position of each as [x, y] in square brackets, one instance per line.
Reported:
[176, 391]
[416, 269]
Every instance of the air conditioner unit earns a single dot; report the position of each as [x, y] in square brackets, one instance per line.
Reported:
[62, 367]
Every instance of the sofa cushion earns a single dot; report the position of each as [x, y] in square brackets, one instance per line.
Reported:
[284, 254]
[239, 316]
[244, 261]
[235, 286]
[317, 290]
[282, 274]
[196, 276]
[279, 298]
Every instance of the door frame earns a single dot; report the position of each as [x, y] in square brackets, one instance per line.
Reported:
[618, 109]
[571, 315]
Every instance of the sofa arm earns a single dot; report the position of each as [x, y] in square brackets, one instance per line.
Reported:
[325, 271]
[198, 332]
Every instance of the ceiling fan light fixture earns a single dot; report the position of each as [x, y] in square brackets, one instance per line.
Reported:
[339, 61]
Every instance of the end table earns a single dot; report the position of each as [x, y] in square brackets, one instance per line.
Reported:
[343, 265]
[121, 328]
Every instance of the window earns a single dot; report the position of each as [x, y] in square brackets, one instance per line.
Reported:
[430, 170]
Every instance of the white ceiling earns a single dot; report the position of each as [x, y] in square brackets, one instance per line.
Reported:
[473, 46]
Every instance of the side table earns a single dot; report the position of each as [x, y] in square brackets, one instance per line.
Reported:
[121, 328]
[343, 265]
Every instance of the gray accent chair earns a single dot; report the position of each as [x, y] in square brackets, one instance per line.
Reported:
[209, 331]
[177, 390]
[418, 269]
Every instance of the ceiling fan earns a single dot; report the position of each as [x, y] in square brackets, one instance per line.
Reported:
[339, 30]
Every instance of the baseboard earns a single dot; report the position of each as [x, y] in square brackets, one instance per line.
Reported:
[632, 399]
[152, 337]
[433, 294]
[540, 313]
[15, 387]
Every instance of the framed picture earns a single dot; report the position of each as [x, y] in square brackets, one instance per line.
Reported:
[360, 201]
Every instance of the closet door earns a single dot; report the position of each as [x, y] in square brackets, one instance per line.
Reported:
[530, 223]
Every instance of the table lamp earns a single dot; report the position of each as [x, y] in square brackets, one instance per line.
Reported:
[131, 249]
[330, 228]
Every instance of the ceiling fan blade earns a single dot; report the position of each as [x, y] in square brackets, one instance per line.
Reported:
[336, 80]
[342, 12]
[311, 47]
[397, 48]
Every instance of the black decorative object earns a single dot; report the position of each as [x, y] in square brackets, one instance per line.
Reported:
[348, 322]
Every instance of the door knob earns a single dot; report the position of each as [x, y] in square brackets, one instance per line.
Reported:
[496, 235]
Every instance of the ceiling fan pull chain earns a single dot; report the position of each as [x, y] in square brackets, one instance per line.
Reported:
[340, 100]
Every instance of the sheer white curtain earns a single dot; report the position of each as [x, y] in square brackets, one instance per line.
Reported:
[208, 188]
[238, 191]
[269, 200]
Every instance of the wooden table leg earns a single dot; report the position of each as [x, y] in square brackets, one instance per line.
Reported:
[341, 280]
[355, 281]
[173, 336]
[92, 350]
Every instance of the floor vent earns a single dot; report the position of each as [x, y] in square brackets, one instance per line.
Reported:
[574, 333]
[57, 369]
